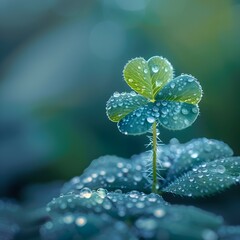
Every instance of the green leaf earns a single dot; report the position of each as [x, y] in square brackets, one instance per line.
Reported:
[207, 178]
[148, 77]
[120, 105]
[184, 88]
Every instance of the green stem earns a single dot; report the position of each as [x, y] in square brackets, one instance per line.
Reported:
[154, 163]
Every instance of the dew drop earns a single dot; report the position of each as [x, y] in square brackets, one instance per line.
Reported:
[164, 103]
[151, 119]
[138, 114]
[130, 80]
[164, 110]
[137, 177]
[110, 178]
[194, 154]
[133, 94]
[116, 94]
[194, 110]
[159, 212]
[209, 234]
[140, 205]
[172, 85]
[85, 193]
[158, 83]
[107, 205]
[102, 192]
[81, 221]
[220, 169]
[155, 69]
[152, 197]
[68, 219]
[185, 111]
[166, 164]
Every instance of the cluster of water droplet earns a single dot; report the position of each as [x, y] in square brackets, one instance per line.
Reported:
[114, 203]
[147, 215]
[120, 104]
[147, 77]
[207, 178]
[195, 152]
[173, 115]
[183, 88]
[112, 173]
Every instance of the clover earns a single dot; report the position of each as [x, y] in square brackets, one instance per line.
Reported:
[158, 99]
[171, 102]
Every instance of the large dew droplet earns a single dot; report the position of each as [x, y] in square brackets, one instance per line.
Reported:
[151, 119]
[155, 69]
[85, 193]
[185, 111]
[110, 178]
[81, 221]
[220, 169]
[159, 212]
[116, 94]
[68, 219]
[172, 85]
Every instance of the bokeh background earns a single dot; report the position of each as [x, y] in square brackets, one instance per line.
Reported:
[60, 60]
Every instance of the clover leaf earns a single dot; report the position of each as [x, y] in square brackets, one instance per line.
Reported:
[156, 97]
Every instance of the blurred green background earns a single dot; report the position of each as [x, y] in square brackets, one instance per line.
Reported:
[60, 60]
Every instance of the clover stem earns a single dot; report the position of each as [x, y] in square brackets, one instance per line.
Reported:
[154, 163]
